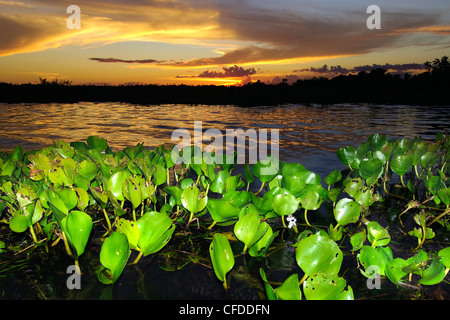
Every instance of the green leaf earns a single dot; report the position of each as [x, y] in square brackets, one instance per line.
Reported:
[19, 223]
[131, 230]
[322, 286]
[249, 230]
[77, 226]
[347, 155]
[155, 231]
[222, 257]
[444, 254]
[285, 204]
[293, 169]
[333, 177]
[369, 256]
[371, 169]
[357, 240]
[115, 183]
[132, 190]
[69, 197]
[377, 235]
[444, 195]
[266, 170]
[263, 205]
[347, 211]
[294, 184]
[222, 210]
[219, 183]
[192, 200]
[262, 245]
[83, 198]
[377, 141]
[402, 164]
[318, 253]
[434, 273]
[94, 142]
[394, 270]
[248, 175]
[114, 256]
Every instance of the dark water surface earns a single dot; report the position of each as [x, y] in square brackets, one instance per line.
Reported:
[308, 134]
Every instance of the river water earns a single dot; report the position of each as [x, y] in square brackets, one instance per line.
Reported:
[307, 134]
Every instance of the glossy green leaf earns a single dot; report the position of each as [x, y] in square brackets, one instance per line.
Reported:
[333, 177]
[377, 235]
[222, 257]
[322, 286]
[371, 169]
[377, 141]
[394, 269]
[294, 184]
[249, 230]
[357, 240]
[288, 290]
[444, 195]
[219, 183]
[379, 257]
[434, 273]
[69, 197]
[401, 164]
[155, 231]
[175, 192]
[115, 182]
[83, 198]
[444, 254]
[347, 211]
[192, 200]
[131, 230]
[114, 256]
[318, 253]
[94, 142]
[237, 198]
[222, 210]
[346, 155]
[266, 170]
[262, 245]
[292, 169]
[19, 223]
[262, 204]
[77, 226]
[285, 204]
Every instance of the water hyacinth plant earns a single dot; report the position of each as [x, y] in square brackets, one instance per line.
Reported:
[139, 202]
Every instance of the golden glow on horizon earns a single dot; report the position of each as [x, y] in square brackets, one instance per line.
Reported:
[36, 42]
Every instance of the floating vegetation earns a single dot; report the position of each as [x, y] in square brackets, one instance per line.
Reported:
[141, 202]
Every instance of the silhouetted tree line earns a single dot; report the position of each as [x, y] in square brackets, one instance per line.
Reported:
[377, 86]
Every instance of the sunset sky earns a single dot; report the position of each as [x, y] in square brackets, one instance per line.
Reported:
[215, 42]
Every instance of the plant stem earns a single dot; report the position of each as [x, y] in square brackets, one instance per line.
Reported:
[282, 220]
[447, 211]
[403, 183]
[302, 279]
[260, 189]
[212, 225]
[33, 235]
[137, 258]
[423, 239]
[77, 267]
[107, 220]
[306, 218]
[66, 245]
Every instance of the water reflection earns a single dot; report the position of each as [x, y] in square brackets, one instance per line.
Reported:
[308, 134]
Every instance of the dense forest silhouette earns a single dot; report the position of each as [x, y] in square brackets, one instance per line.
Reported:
[377, 86]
